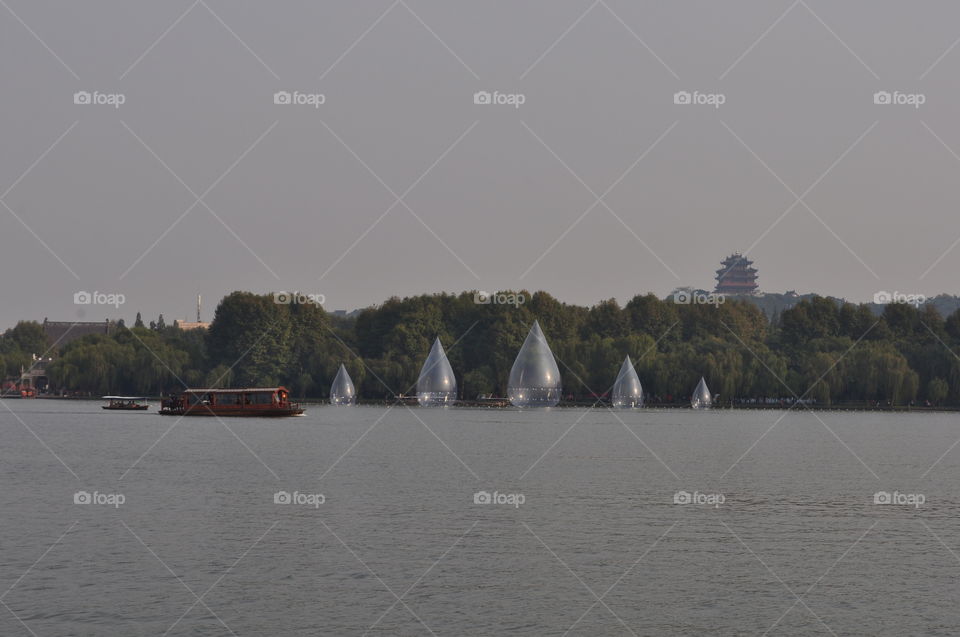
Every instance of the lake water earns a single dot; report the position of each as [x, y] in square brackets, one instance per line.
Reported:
[784, 540]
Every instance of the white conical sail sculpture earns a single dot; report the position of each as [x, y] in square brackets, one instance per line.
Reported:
[342, 391]
[701, 399]
[627, 391]
[436, 385]
[534, 378]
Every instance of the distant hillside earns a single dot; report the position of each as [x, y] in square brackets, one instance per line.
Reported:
[946, 304]
[773, 304]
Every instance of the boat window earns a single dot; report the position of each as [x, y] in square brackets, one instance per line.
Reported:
[261, 398]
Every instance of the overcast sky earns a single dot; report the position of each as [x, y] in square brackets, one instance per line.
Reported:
[828, 191]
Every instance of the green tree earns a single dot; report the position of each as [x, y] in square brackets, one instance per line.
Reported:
[937, 390]
[252, 333]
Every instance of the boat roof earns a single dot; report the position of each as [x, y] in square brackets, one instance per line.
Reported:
[234, 391]
[124, 397]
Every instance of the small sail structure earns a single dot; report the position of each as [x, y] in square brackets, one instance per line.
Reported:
[534, 377]
[342, 391]
[627, 391]
[702, 398]
[436, 385]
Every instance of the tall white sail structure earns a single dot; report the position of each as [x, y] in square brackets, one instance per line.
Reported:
[627, 391]
[702, 398]
[342, 391]
[436, 385]
[534, 377]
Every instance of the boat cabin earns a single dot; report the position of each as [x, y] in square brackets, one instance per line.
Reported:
[126, 403]
[254, 401]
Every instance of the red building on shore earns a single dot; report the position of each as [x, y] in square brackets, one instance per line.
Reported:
[737, 276]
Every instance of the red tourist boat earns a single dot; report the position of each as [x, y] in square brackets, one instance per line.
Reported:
[257, 401]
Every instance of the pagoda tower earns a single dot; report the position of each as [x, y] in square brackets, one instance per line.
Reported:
[737, 276]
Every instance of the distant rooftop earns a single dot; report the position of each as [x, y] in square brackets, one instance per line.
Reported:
[191, 325]
[63, 332]
[737, 276]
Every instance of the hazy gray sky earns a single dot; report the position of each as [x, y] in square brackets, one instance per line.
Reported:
[296, 197]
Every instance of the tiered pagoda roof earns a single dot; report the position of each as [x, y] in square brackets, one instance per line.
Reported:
[737, 276]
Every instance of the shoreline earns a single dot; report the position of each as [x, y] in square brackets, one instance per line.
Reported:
[585, 404]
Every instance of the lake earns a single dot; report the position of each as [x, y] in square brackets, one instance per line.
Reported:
[353, 521]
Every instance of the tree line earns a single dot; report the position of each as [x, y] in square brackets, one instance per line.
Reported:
[819, 349]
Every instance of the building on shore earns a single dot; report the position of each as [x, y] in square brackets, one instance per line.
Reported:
[34, 379]
[737, 276]
[191, 325]
[62, 332]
